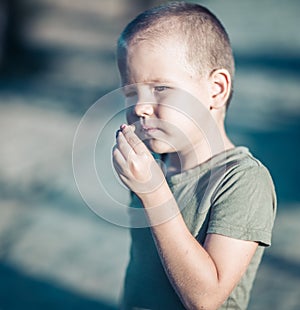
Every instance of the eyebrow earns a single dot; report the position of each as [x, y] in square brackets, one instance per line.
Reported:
[152, 81]
[158, 80]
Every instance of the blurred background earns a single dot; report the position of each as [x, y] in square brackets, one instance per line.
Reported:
[57, 57]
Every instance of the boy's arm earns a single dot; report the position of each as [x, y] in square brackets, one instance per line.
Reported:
[203, 277]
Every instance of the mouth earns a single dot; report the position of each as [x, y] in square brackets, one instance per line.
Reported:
[149, 130]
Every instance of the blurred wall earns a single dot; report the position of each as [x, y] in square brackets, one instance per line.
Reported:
[58, 58]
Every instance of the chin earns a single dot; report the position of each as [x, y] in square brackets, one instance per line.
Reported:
[159, 147]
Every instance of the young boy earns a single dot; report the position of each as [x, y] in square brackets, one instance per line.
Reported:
[210, 213]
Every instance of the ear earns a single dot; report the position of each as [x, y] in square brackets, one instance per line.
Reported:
[220, 80]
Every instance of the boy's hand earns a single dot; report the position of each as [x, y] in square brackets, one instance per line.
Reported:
[134, 163]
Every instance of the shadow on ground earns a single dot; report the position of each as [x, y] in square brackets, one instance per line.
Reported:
[20, 289]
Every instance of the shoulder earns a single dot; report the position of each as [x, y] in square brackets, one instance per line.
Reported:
[244, 173]
[244, 203]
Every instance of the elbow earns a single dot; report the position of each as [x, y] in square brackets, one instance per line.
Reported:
[207, 302]
[202, 306]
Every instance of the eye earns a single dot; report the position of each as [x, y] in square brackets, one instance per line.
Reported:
[129, 92]
[160, 89]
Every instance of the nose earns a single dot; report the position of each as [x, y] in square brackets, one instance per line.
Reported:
[140, 101]
[144, 108]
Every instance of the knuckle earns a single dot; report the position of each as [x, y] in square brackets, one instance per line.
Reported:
[132, 140]
[115, 152]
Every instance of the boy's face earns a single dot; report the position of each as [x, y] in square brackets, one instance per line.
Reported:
[166, 102]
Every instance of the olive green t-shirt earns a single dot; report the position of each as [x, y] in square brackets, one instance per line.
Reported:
[231, 194]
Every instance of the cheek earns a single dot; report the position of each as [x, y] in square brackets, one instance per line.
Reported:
[180, 118]
[183, 130]
[182, 104]
[185, 111]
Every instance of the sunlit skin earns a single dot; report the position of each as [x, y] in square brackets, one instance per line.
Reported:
[169, 100]
[203, 276]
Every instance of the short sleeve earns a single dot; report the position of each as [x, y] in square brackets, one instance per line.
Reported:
[244, 206]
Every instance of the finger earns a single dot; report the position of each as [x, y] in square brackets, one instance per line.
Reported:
[133, 140]
[124, 147]
[118, 160]
[117, 133]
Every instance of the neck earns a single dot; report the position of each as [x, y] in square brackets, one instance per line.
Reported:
[181, 161]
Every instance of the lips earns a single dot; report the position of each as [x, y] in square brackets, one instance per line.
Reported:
[148, 128]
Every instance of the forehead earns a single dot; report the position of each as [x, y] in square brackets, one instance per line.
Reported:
[147, 59]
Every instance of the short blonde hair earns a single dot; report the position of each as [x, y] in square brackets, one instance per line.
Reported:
[206, 42]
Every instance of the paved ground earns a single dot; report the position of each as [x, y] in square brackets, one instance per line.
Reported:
[55, 253]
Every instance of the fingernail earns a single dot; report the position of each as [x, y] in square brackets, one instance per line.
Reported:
[117, 133]
[123, 126]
